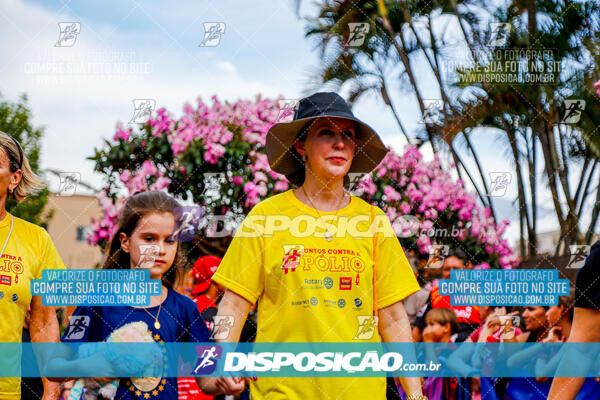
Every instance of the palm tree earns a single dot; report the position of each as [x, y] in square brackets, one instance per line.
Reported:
[528, 116]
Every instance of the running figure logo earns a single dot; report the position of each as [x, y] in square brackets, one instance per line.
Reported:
[357, 33]
[291, 257]
[68, 183]
[367, 324]
[578, 255]
[77, 327]
[68, 33]
[212, 33]
[287, 108]
[499, 182]
[142, 110]
[222, 326]
[437, 255]
[207, 359]
[187, 219]
[148, 254]
[499, 32]
[573, 109]
[355, 186]
[213, 181]
[433, 111]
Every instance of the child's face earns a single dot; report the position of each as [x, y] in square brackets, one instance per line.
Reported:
[435, 332]
[152, 229]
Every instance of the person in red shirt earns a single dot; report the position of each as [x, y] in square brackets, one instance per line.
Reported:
[468, 316]
[205, 294]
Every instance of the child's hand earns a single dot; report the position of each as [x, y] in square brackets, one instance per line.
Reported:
[427, 335]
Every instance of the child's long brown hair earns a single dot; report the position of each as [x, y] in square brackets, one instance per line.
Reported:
[136, 207]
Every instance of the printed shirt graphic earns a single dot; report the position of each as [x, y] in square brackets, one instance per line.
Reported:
[313, 290]
[180, 322]
[28, 251]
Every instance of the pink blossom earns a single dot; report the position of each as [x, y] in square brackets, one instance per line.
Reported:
[237, 180]
[391, 194]
[405, 208]
[148, 168]
[426, 226]
[281, 186]
[260, 176]
[161, 183]
[213, 153]
[431, 213]
[250, 189]
[597, 86]
[483, 265]
[121, 133]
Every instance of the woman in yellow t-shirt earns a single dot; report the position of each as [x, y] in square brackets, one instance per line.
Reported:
[25, 250]
[309, 258]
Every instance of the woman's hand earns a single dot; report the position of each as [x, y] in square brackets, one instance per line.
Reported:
[222, 385]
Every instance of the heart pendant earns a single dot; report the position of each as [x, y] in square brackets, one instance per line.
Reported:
[156, 325]
[328, 235]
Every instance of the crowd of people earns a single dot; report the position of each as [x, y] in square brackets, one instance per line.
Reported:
[435, 320]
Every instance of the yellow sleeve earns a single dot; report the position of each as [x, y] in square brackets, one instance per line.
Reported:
[395, 278]
[242, 267]
[49, 257]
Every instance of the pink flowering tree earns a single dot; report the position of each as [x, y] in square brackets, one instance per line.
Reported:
[228, 139]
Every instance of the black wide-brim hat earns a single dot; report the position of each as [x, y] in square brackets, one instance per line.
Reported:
[370, 150]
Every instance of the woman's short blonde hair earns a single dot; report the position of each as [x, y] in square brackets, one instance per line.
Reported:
[30, 183]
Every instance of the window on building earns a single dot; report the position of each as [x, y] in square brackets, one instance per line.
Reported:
[82, 232]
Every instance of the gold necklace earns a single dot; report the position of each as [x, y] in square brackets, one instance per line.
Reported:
[328, 235]
[156, 323]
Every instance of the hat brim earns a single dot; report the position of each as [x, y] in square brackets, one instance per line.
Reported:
[370, 150]
[201, 287]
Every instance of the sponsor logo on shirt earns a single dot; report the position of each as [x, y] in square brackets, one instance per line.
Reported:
[314, 301]
[341, 303]
[325, 283]
[358, 302]
[345, 283]
[207, 359]
[330, 303]
[5, 280]
[78, 325]
[1, 295]
[300, 303]
[291, 257]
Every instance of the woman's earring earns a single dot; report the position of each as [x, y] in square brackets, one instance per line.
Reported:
[304, 158]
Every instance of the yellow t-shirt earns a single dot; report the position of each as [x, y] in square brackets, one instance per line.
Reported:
[29, 251]
[313, 290]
